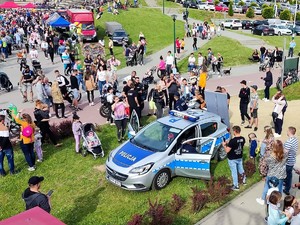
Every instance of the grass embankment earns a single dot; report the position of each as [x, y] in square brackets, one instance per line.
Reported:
[233, 52]
[83, 196]
[157, 28]
[291, 92]
[168, 4]
[204, 15]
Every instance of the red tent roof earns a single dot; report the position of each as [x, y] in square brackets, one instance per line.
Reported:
[35, 216]
[9, 5]
[28, 6]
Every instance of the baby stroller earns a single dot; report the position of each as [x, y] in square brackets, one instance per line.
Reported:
[265, 64]
[91, 142]
[129, 60]
[5, 83]
[37, 68]
[148, 77]
[13, 127]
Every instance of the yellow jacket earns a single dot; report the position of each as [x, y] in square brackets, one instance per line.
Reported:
[24, 124]
[202, 80]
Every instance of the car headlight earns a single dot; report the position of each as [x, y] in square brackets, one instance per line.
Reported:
[142, 169]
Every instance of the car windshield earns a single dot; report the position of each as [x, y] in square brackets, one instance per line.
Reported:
[157, 137]
[119, 34]
[88, 26]
[281, 27]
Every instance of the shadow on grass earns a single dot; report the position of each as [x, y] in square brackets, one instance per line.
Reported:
[83, 206]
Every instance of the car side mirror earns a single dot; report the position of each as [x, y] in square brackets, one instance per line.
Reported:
[179, 151]
[131, 134]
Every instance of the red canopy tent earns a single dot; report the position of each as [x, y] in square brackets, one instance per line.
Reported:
[9, 5]
[28, 6]
[35, 216]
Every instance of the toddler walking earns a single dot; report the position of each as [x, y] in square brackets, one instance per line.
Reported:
[38, 144]
[253, 146]
[76, 125]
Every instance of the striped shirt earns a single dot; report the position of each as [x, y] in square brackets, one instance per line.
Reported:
[276, 168]
[291, 146]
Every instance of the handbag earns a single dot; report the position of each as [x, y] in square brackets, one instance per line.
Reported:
[274, 115]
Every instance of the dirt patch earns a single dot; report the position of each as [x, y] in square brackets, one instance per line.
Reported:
[100, 168]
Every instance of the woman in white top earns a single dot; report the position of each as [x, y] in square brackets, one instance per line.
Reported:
[191, 62]
[101, 78]
[278, 112]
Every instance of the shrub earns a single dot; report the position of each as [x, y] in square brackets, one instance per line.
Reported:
[241, 3]
[158, 214]
[177, 203]
[219, 189]
[230, 10]
[250, 13]
[199, 199]
[264, 6]
[253, 4]
[250, 168]
[216, 2]
[297, 16]
[285, 15]
[63, 129]
[268, 12]
[137, 219]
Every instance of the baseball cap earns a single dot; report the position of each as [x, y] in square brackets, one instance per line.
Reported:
[243, 82]
[254, 87]
[35, 180]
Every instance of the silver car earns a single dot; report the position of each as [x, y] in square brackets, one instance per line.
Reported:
[180, 144]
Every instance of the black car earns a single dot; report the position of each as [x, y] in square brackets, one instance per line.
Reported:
[263, 30]
[247, 24]
[296, 29]
[190, 4]
[260, 22]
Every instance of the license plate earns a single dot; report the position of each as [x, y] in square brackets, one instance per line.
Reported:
[88, 39]
[118, 183]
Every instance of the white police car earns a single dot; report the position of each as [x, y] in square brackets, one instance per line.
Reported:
[180, 144]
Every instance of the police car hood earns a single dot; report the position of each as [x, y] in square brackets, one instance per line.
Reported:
[130, 154]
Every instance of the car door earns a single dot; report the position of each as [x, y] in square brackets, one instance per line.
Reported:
[195, 164]
[133, 125]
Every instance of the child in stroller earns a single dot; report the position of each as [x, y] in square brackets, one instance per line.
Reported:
[91, 142]
[265, 64]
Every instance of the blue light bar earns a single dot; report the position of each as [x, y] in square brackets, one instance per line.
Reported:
[184, 115]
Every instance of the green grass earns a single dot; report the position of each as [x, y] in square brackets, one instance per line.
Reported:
[168, 4]
[233, 52]
[204, 15]
[291, 92]
[83, 196]
[157, 28]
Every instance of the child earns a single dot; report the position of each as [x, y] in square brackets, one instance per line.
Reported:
[110, 101]
[253, 145]
[288, 206]
[275, 215]
[38, 144]
[152, 106]
[92, 140]
[76, 125]
[273, 184]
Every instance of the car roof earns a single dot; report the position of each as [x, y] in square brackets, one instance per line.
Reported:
[181, 123]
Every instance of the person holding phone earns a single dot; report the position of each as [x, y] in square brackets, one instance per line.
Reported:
[33, 197]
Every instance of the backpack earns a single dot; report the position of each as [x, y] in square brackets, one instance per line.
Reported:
[284, 107]
[66, 80]
[27, 131]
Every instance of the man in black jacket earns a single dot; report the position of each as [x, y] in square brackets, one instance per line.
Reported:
[268, 83]
[244, 96]
[33, 197]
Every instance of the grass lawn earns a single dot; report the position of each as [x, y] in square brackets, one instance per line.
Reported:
[83, 196]
[168, 4]
[291, 92]
[233, 52]
[204, 15]
[157, 28]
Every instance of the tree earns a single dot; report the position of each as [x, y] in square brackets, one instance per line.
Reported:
[268, 12]
[216, 2]
[253, 4]
[250, 13]
[298, 16]
[241, 3]
[264, 6]
[230, 10]
[285, 15]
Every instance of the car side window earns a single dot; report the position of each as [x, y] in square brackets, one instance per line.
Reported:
[208, 128]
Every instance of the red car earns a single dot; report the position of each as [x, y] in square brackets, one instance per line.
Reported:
[221, 8]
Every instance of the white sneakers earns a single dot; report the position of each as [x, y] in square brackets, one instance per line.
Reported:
[91, 104]
[260, 201]
[265, 100]
[277, 135]
[31, 169]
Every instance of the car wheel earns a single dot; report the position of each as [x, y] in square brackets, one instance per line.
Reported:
[161, 179]
[279, 33]
[231, 27]
[243, 27]
[221, 153]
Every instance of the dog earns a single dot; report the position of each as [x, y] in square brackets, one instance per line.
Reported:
[227, 72]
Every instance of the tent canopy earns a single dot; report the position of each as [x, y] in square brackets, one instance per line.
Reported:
[60, 22]
[52, 17]
[28, 6]
[9, 5]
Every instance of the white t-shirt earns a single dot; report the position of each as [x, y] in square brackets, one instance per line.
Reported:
[33, 54]
[101, 75]
[169, 60]
[200, 60]
[192, 60]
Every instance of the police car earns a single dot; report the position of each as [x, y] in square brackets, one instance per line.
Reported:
[180, 144]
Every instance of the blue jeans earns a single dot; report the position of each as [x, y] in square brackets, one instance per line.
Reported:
[28, 152]
[191, 67]
[267, 187]
[100, 86]
[288, 179]
[80, 80]
[10, 159]
[236, 166]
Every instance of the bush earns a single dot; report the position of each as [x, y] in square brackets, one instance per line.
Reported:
[250, 13]
[219, 189]
[158, 214]
[63, 129]
[268, 12]
[241, 3]
[285, 15]
[216, 2]
[253, 4]
[230, 10]
[297, 16]
[264, 6]
[137, 219]
[199, 199]
[177, 203]
[249, 167]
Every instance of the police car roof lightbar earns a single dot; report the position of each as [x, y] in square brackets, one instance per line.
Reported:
[184, 115]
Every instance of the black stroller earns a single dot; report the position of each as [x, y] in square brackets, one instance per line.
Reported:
[37, 68]
[91, 142]
[5, 83]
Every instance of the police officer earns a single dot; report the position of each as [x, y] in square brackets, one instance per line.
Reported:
[180, 105]
[26, 83]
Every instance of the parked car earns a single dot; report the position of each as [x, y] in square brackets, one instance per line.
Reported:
[221, 8]
[180, 144]
[237, 9]
[281, 30]
[260, 22]
[247, 24]
[257, 10]
[116, 32]
[211, 6]
[203, 5]
[296, 29]
[190, 4]
[232, 24]
[263, 30]
[284, 6]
